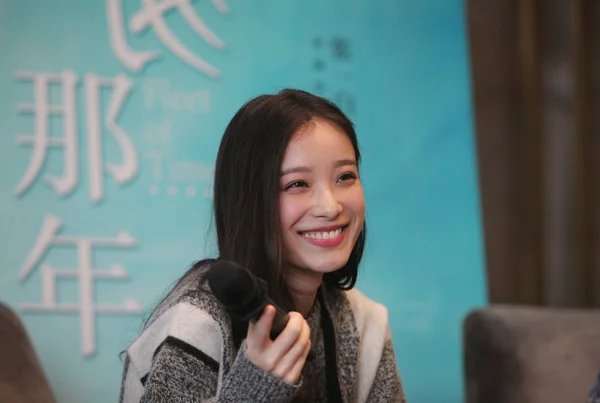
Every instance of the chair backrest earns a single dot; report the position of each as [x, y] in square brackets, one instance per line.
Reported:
[516, 354]
[22, 379]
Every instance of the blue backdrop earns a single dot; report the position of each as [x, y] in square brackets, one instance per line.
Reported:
[111, 113]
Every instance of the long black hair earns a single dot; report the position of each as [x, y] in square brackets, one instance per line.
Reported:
[247, 186]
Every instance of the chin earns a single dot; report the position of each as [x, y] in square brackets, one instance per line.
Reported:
[325, 266]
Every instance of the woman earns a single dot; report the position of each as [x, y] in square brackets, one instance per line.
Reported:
[289, 207]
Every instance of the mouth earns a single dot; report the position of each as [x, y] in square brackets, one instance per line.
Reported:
[325, 236]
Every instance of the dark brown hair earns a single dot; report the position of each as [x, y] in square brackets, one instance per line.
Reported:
[246, 192]
[247, 185]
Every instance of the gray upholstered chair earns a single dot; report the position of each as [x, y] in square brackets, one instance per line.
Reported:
[21, 377]
[515, 354]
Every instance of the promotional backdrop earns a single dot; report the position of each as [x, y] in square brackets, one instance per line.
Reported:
[111, 113]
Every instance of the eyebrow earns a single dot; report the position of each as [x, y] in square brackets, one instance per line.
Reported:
[339, 163]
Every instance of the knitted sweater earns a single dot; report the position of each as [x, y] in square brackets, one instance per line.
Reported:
[187, 354]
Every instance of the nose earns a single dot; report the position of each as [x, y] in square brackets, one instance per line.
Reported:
[326, 204]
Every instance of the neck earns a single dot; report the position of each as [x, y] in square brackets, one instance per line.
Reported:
[303, 286]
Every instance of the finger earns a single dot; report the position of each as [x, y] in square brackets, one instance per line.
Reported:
[287, 362]
[293, 374]
[259, 331]
[290, 334]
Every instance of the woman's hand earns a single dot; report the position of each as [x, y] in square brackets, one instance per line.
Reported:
[285, 356]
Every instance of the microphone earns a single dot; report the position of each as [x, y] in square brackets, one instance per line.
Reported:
[243, 295]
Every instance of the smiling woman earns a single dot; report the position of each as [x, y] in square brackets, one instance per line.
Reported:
[321, 207]
[289, 207]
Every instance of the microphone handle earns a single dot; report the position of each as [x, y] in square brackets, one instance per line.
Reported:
[279, 321]
[281, 317]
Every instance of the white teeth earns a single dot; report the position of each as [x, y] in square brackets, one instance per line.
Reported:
[322, 235]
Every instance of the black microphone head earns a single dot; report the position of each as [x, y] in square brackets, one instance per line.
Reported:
[233, 285]
[242, 294]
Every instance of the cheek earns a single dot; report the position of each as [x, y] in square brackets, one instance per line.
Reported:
[291, 209]
[354, 202]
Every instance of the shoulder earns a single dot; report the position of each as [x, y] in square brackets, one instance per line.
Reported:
[373, 335]
[367, 312]
[360, 300]
[189, 314]
[191, 293]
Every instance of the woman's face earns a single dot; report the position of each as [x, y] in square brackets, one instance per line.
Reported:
[321, 202]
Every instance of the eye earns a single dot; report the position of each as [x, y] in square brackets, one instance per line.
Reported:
[348, 176]
[296, 184]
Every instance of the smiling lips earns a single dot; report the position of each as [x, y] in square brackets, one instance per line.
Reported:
[330, 238]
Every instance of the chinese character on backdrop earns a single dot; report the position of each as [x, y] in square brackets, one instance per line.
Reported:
[41, 140]
[85, 273]
[151, 15]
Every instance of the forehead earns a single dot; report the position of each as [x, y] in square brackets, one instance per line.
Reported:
[320, 140]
